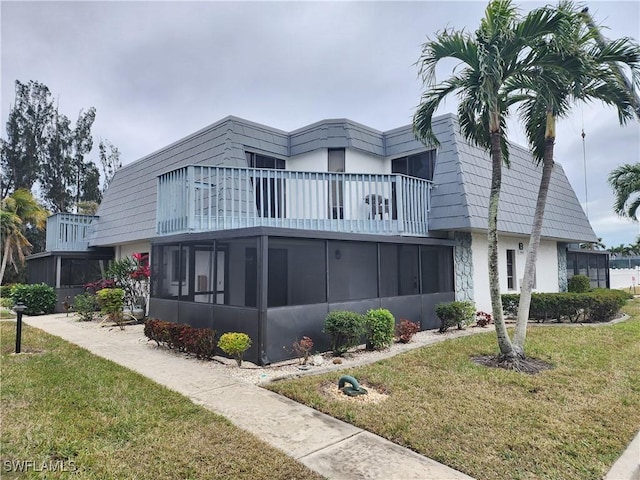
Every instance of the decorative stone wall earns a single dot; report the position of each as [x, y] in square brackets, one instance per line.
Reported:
[562, 267]
[463, 266]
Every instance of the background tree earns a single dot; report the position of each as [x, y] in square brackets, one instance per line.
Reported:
[18, 211]
[625, 181]
[573, 65]
[21, 152]
[110, 160]
[42, 146]
[498, 52]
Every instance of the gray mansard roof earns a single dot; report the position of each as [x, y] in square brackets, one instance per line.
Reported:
[461, 178]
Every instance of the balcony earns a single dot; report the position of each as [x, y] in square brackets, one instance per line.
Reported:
[68, 232]
[205, 198]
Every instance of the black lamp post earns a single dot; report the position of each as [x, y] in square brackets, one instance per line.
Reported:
[19, 308]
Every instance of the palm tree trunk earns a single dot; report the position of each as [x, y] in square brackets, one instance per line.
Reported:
[504, 342]
[524, 304]
[7, 250]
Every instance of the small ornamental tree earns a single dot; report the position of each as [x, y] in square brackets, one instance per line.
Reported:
[131, 274]
[303, 348]
[234, 344]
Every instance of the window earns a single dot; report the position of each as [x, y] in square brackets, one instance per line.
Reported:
[420, 165]
[511, 269]
[336, 163]
[269, 191]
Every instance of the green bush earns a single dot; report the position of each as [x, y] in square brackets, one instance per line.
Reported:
[455, 313]
[111, 301]
[381, 327]
[235, 344]
[86, 305]
[345, 329]
[510, 304]
[579, 284]
[6, 302]
[38, 298]
[603, 305]
[599, 305]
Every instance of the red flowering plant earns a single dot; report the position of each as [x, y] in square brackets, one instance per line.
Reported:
[131, 274]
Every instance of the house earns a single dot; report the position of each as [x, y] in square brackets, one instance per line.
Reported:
[263, 231]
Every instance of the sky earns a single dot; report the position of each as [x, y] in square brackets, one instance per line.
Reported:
[158, 71]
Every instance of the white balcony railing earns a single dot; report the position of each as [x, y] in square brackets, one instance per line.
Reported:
[203, 198]
[68, 232]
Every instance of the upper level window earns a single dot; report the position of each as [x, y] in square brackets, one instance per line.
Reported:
[419, 165]
[257, 160]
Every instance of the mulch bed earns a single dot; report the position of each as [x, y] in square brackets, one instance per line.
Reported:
[525, 365]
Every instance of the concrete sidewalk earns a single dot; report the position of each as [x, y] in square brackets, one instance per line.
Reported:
[335, 449]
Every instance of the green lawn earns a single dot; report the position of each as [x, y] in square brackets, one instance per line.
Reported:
[63, 407]
[571, 422]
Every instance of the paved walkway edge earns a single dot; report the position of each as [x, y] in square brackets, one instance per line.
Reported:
[627, 467]
[334, 449]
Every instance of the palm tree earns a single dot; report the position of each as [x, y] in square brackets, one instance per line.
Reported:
[497, 53]
[625, 181]
[18, 210]
[574, 65]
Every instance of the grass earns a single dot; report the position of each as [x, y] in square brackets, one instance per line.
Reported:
[63, 407]
[571, 422]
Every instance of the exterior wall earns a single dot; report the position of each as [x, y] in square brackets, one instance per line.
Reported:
[315, 161]
[546, 271]
[625, 278]
[357, 161]
[129, 249]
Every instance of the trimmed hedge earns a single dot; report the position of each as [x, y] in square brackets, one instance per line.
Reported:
[184, 338]
[599, 305]
[38, 298]
[381, 326]
[455, 313]
[345, 329]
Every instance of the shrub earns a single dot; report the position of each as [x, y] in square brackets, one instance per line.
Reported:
[602, 305]
[111, 301]
[345, 329]
[406, 329]
[6, 302]
[198, 341]
[483, 319]
[38, 298]
[235, 344]
[86, 305]
[510, 304]
[579, 284]
[303, 349]
[380, 325]
[455, 313]
[599, 305]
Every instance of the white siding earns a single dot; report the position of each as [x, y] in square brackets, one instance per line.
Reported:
[129, 249]
[357, 161]
[546, 271]
[315, 161]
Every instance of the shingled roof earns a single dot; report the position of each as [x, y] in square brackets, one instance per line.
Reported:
[461, 178]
